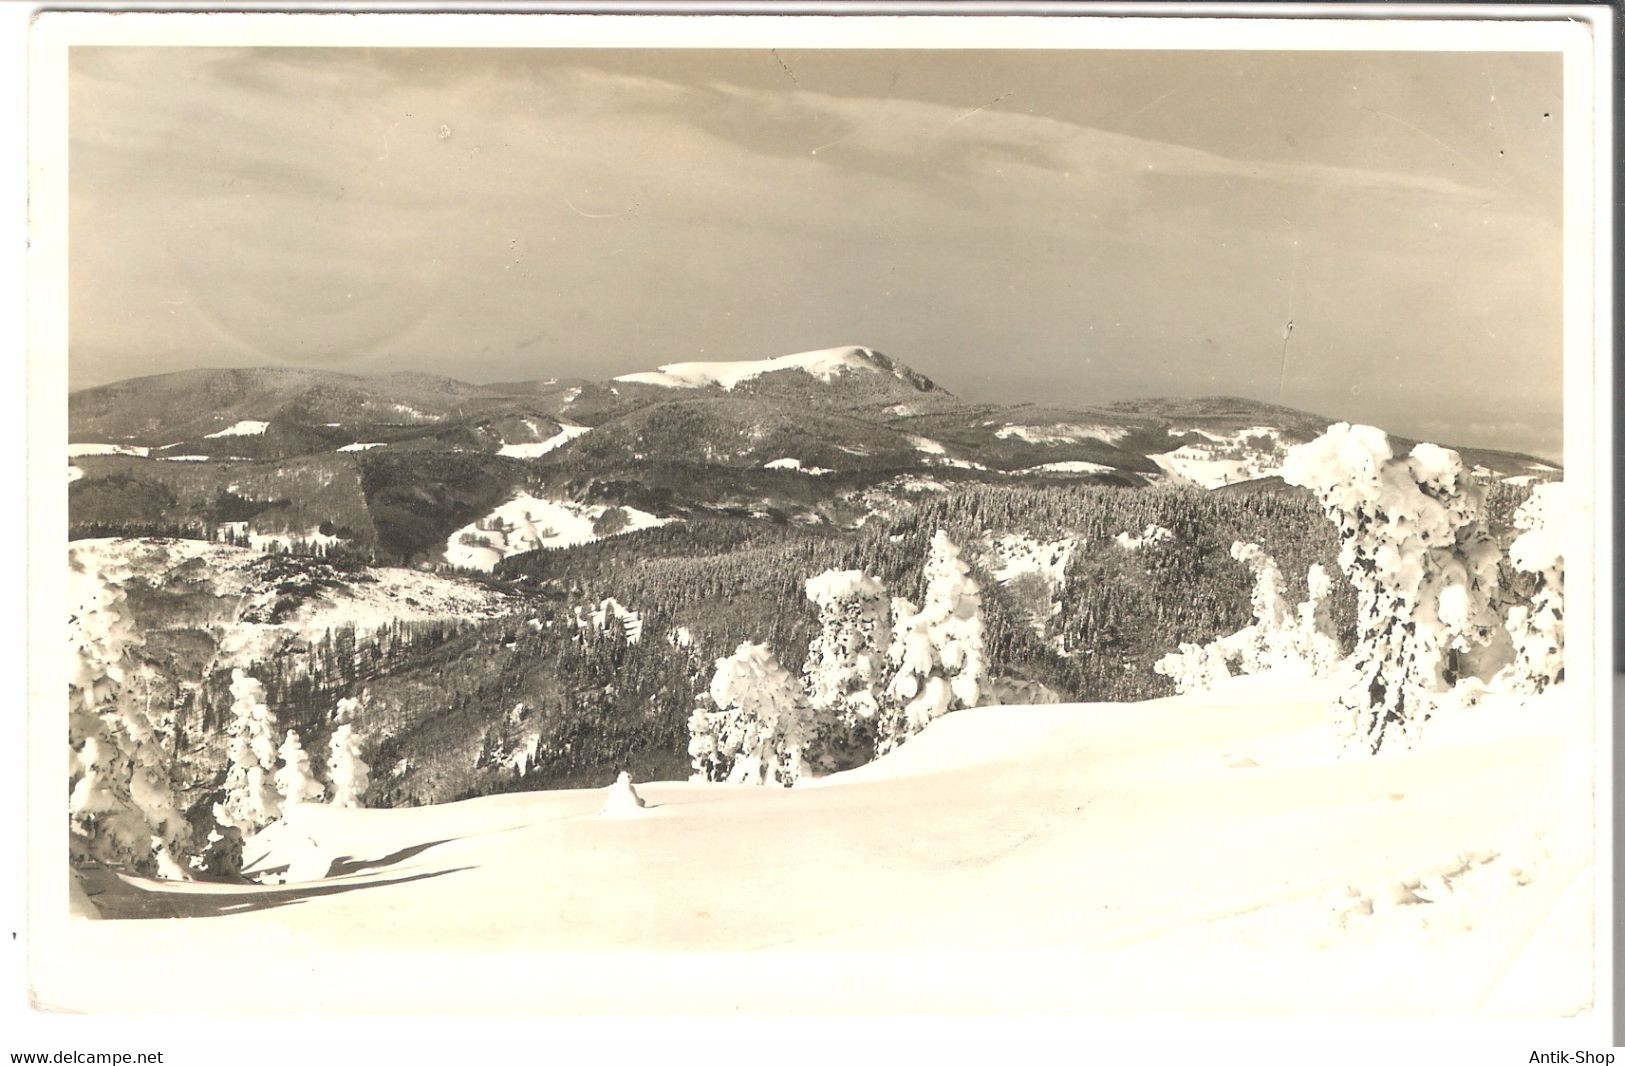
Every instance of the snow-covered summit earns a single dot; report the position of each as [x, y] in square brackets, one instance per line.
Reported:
[824, 365]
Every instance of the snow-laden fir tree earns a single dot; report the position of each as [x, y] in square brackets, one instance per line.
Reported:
[935, 650]
[1422, 564]
[846, 666]
[1268, 633]
[251, 800]
[347, 771]
[294, 778]
[1317, 639]
[121, 803]
[758, 727]
[1537, 628]
[1280, 638]
[1196, 667]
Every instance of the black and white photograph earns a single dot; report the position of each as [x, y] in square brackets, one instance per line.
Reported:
[897, 515]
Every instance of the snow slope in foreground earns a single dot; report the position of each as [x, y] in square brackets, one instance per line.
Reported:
[1200, 853]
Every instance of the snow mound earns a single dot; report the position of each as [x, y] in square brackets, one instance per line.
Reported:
[565, 435]
[526, 523]
[823, 365]
[622, 799]
[248, 427]
[362, 446]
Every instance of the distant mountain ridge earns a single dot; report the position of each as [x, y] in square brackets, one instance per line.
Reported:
[405, 463]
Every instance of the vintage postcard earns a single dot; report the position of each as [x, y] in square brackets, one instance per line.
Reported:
[818, 515]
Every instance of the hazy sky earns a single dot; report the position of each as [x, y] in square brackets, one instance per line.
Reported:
[1062, 226]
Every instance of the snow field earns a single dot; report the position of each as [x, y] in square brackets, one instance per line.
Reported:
[1177, 855]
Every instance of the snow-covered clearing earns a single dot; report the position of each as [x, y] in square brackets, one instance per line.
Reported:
[1071, 466]
[565, 435]
[796, 465]
[1201, 853]
[74, 473]
[76, 450]
[913, 483]
[361, 446]
[526, 523]
[823, 365]
[1245, 455]
[1012, 555]
[1062, 433]
[955, 462]
[248, 427]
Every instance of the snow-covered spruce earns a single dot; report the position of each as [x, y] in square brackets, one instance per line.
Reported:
[121, 804]
[1415, 548]
[1281, 637]
[1537, 628]
[1152, 536]
[1316, 630]
[1196, 667]
[846, 667]
[251, 800]
[936, 650]
[758, 728]
[294, 779]
[347, 771]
